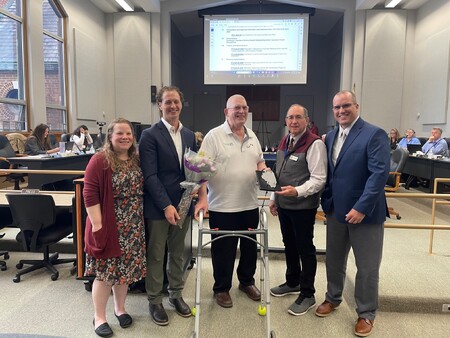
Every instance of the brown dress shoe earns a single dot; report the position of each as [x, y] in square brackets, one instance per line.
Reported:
[363, 327]
[252, 292]
[223, 299]
[325, 309]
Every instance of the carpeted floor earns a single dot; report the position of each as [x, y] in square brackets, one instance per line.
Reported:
[413, 287]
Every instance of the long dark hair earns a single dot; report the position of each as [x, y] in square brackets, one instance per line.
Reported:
[78, 133]
[39, 133]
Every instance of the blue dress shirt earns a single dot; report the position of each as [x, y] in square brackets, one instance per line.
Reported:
[438, 147]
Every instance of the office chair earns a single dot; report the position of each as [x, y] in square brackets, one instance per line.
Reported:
[5, 254]
[41, 225]
[398, 161]
[52, 137]
[6, 150]
[5, 220]
[65, 137]
[17, 141]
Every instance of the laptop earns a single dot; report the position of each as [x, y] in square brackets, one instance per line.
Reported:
[412, 148]
[267, 180]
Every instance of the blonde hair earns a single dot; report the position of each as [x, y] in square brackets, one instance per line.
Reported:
[397, 134]
[111, 156]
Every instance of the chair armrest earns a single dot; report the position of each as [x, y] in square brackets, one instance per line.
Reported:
[397, 182]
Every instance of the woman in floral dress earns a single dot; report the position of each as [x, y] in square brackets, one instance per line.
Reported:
[115, 233]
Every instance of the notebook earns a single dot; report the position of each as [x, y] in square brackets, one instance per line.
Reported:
[267, 180]
[412, 148]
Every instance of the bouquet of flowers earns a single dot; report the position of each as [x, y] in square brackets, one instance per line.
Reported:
[198, 168]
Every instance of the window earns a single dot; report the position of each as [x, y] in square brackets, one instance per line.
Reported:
[12, 87]
[54, 65]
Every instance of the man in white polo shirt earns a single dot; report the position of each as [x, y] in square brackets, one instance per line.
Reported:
[232, 199]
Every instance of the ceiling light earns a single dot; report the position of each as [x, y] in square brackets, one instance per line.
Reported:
[389, 3]
[125, 5]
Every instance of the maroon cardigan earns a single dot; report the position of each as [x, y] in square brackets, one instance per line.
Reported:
[103, 243]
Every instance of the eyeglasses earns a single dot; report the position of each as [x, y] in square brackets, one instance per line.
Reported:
[343, 106]
[295, 117]
[245, 108]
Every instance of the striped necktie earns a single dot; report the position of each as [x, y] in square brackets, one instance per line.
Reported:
[291, 144]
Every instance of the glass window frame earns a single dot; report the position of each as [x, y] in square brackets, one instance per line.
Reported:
[21, 71]
[63, 66]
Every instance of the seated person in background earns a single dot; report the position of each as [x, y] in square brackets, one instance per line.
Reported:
[198, 138]
[313, 128]
[409, 139]
[81, 138]
[435, 145]
[38, 142]
[394, 138]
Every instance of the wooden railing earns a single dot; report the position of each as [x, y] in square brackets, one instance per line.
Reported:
[433, 208]
[436, 199]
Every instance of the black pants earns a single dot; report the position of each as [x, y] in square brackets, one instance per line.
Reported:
[297, 228]
[223, 251]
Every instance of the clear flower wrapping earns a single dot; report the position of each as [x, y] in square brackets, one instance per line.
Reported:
[198, 169]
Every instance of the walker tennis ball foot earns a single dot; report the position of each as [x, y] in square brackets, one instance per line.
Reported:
[194, 311]
[262, 310]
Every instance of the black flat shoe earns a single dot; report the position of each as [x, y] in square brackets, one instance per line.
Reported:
[125, 320]
[103, 330]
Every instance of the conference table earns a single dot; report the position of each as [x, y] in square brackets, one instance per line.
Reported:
[45, 162]
[428, 169]
[61, 198]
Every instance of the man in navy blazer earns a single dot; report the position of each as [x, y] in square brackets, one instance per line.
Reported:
[161, 151]
[355, 205]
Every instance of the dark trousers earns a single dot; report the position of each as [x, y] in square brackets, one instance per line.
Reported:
[223, 250]
[297, 228]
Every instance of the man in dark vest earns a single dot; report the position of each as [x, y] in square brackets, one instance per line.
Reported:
[301, 170]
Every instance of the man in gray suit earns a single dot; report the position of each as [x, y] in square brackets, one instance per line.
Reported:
[161, 150]
[355, 205]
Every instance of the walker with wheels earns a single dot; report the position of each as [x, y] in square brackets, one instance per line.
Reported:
[262, 231]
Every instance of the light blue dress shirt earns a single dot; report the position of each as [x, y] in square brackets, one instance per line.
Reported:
[438, 147]
[404, 141]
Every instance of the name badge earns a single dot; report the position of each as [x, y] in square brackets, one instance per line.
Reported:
[293, 158]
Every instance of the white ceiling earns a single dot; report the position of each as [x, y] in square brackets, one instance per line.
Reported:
[189, 24]
[404, 4]
[110, 6]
